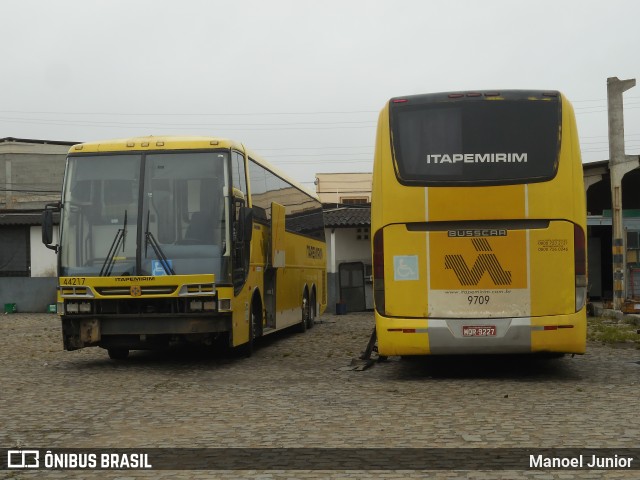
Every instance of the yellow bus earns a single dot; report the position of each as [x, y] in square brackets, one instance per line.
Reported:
[478, 225]
[170, 240]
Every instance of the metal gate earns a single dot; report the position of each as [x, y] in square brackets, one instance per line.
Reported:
[352, 286]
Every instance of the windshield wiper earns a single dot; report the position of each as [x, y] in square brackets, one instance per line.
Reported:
[150, 239]
[120, 238]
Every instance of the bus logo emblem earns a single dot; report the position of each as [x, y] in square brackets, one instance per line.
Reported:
[136, 291]
[486, 262]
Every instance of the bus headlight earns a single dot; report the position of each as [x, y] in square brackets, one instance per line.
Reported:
[78, 307]
[202, 305]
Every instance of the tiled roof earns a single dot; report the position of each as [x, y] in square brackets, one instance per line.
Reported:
[30, 218]
[348, 217]
[30, 140]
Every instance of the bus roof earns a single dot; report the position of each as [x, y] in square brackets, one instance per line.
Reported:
[153, 143]
[159, 143]
[479, 95]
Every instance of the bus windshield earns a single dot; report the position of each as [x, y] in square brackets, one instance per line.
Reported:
[150, 214]
[475, 141]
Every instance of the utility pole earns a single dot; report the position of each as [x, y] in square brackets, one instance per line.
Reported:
[619, 165]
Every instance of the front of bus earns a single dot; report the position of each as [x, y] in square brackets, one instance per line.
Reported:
[478, 219]
[144, 250]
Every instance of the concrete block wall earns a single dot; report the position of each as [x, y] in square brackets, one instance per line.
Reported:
[32, 175]
[28, 169]
[29, 294]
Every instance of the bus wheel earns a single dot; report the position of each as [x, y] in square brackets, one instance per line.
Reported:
[312, 312]
[255, 329]
[306, 313]
[247, 349]
[118, 353]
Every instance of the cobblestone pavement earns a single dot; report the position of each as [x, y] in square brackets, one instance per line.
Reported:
[296, 391]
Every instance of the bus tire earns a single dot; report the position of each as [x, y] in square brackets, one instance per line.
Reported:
[118, 353]
[255, 327]
[306, 312]
[312, 310]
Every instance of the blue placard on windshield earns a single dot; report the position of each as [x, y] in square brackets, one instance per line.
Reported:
[157, 268]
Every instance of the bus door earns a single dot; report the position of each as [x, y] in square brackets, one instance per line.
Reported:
[277, 258]
[270, 296]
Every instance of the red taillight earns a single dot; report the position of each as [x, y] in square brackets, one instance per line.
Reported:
[580, 254]
[378, 255]
[580, 262]
[378, 271]
[400, 100]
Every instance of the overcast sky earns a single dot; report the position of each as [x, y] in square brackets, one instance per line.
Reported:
[300, 82]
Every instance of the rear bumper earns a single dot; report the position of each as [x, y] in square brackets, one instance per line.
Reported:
[407, 336]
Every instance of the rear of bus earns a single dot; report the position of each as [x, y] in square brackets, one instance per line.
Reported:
[478, 219]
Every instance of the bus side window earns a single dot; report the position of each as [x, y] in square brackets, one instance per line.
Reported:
[238, 172]
[241, 239]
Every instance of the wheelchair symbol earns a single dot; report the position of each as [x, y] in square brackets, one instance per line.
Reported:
[405, 267]
[157, 269]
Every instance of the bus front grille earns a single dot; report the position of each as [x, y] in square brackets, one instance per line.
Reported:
[144, 291]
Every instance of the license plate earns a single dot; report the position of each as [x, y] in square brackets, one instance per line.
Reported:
[479, 331]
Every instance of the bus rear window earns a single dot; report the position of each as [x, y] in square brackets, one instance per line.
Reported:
[476, 142]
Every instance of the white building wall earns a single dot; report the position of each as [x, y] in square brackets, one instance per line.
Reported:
[343, 246]
[350, 249]
[340, 187]
[43, 260]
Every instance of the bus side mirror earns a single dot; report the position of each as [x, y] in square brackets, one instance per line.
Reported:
[246, 214]
[47, 225]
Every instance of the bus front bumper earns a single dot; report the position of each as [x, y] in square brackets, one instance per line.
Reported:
[103, 330]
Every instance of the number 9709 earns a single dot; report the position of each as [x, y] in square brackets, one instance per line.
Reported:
[478, 299]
